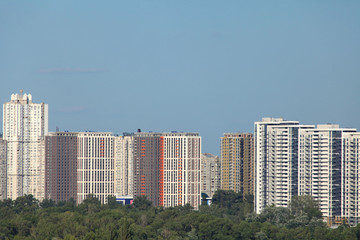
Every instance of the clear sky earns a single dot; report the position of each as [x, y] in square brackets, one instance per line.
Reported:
[201, 66]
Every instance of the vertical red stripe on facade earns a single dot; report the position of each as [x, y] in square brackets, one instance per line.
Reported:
[161, 173]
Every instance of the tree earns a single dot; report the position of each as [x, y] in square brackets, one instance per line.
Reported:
[231, 203]
[274, 215]
[124, 228]
[219, 228]
[90, 205]
[305, 205]
[26, 203]
[68, 205]
[142, 203]
[111, 202]
[46, 203]
[226, 198]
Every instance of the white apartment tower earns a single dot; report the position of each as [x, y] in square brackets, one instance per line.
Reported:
[180, 164]
[276, 162]
[350, 180]
[327, 162]
[124, 161]
[293, 159]
[25, 124]
[95, 165]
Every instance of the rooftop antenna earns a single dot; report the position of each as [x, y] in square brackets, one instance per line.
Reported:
[21, 92]
[57, 128]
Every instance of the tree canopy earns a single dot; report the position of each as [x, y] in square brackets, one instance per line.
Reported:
[228, 217]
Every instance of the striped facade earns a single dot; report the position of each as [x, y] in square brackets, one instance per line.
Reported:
[95, 165]
[167, 168]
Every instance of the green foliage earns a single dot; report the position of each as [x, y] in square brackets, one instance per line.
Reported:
[305, 205]
[111, 202]
[230, 204]
[90, 205]
[47, 203]
[219, 228]
[142, 203]
[274, 215]
[26, 218]
[226, 198]
[26, 203]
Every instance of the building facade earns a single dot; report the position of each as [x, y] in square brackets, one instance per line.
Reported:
[327, 161]
[237, 162]
[124, 165]
[276, 162]
[146, 157]
[293, 159]
[167, 168]
[79, 164]
[95, 165]
[61, 166]
[210, 173]
[350, 180]
[3, 172]
[25, 125]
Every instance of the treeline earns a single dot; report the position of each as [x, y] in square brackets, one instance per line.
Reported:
[229, 217]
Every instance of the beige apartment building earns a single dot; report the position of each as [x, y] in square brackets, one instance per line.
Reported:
[237, 162]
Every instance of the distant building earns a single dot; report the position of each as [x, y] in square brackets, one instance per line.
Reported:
[61, 166]
[293, 159]
[3, 175]
[95, 165]
[124, 165]
[167, 168]
[350, 177]
[79, 164]
[329, 169]
[237, 162]
[276, 162]
[210, 173]
[25, 125]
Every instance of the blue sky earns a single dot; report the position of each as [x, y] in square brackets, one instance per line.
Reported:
[203, 66]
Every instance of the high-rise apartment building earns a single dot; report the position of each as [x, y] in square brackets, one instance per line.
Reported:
[350, 180]
[124, 165]
[61, 166]
[79, 164]
[210, 173]
[237, 162]
[95, 165]
[276, 162]
[167, 168]
[146, 180]
[293, 159]
[25, 125]
[327, 159]
[3, 174]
